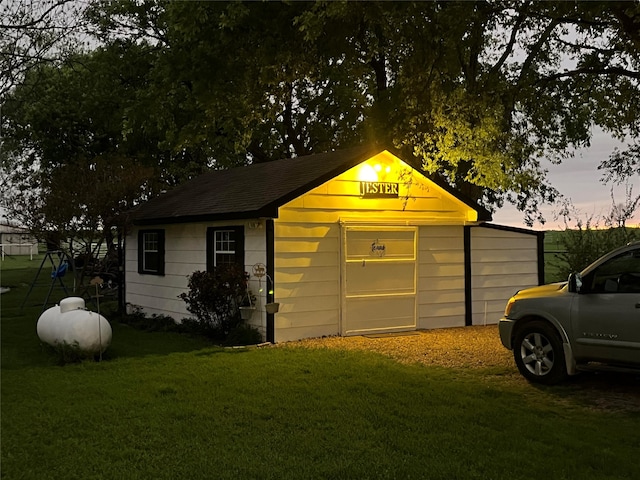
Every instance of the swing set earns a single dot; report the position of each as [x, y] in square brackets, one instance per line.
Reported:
[60, 263]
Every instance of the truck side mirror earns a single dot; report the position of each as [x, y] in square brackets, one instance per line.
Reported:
[575, 283]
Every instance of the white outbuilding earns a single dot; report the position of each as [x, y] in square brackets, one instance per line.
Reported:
[15, 240]
[350, 242]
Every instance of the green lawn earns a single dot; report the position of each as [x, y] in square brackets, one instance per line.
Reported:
[162, 405]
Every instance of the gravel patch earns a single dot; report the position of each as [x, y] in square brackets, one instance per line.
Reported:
[462, 347]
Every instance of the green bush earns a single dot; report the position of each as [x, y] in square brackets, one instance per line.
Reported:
[193, 326]
[583, 245]
[214, 299]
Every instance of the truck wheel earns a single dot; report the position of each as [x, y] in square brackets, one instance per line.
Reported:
[537, 350]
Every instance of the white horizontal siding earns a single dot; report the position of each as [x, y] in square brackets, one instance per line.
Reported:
[319, 215]
[514, 268]
[307, 278]
[485, 239]
[185, 253]
[319, 259]
[502, 262]
[151, 303]
[307, 289]
[441, 287]
[505, 255]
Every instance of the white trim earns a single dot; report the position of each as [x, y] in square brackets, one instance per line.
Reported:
[409, 222]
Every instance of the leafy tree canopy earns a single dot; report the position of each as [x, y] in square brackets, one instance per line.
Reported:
[478, 91]
[33, 32]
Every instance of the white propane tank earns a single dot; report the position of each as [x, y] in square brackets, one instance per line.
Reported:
[90, 330]
[70, 323]
[47, 325]
[71, 303]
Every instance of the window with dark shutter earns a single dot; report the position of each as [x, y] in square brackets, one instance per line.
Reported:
[151, 252]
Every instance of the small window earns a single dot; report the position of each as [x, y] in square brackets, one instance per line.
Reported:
[151, 252]
[225, 246]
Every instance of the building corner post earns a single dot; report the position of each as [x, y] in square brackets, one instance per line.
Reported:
[468, 304]
[270, 247]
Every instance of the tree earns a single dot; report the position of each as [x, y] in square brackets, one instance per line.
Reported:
[622, 165]
[69, 169]
[622, 212]
[35, 32]
[478, 92]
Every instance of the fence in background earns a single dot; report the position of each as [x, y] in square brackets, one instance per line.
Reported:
[30, 249]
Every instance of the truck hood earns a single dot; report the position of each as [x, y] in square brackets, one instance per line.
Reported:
[541, 291]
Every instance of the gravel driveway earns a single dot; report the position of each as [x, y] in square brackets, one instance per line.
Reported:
[479, 347]
[468, 347]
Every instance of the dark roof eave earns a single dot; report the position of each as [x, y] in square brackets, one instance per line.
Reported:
[301, 190]
[484, 215]
[266, 212]
[508, 228]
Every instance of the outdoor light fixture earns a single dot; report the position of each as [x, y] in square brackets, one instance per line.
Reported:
[367, 173]
[371, 173]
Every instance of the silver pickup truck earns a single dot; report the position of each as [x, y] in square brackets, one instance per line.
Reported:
[592, 321]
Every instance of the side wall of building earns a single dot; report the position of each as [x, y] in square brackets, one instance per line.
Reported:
[185, 253]
[503, 261]
[14, 242]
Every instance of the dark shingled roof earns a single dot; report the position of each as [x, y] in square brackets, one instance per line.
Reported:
[256, 190]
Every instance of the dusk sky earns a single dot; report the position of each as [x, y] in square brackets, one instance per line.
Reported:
[579, 180]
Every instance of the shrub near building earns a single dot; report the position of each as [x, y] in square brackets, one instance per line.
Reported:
[214, 298]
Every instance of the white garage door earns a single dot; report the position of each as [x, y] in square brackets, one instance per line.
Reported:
[379, 279]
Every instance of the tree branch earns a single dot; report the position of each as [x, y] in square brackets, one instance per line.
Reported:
[522, 15]
[36, 21]
[592, 71]
[535, 50]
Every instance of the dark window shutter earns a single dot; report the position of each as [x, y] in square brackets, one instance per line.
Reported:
[161, 243]
[239, 232]
[211, 239]
[140, 251]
